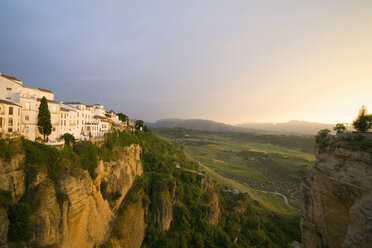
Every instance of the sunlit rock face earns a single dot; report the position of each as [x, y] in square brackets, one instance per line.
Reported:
[70, 211]
[336, 200]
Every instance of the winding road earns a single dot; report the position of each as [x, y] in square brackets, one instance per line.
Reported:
[285, 199]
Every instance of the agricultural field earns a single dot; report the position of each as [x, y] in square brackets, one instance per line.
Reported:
[263, 163]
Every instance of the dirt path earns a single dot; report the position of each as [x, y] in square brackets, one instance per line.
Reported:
[285, 199]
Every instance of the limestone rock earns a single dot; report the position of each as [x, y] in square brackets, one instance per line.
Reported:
[4, 224]
[45, 216]
[208, 188]
[12, 177]
[70, 212]
[336, 200]
[120, 174]
[132, 226]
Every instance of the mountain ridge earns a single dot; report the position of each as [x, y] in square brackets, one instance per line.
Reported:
[290, 127]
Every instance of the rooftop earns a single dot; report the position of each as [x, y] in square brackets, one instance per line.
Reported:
[50, 101]
[9, 103]
[10, 77]
[78, 103]
[64, 109]
[49, 91]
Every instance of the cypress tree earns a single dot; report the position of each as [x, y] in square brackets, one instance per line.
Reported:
[43, 119]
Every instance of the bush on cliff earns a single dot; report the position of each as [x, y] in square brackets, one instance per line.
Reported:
[19, 224]
[88, 153]
[9, 148]
[5, 198]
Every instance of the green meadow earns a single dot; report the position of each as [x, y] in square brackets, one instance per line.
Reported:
[252, 163]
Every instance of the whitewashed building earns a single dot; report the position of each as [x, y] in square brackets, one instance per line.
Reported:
[19, 107]
[10, 119]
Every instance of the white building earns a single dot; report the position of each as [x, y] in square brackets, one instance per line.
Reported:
[10, 88]
[19, 107]
[10, 119]
[30, 101]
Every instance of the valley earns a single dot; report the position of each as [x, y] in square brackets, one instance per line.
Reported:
[261, 163]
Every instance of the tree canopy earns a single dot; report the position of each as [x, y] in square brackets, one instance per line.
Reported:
[43, 119]
[123, 117]
[363, 121]
[339, 127]
[139, 125]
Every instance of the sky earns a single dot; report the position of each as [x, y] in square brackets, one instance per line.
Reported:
[228, 61]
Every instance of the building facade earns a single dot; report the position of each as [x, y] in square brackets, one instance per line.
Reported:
[19, 107]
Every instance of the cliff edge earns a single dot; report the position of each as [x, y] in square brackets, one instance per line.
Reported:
[71, 211]
[336, 199]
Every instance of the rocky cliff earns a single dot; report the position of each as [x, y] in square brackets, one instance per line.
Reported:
[336, 200]
[70, 211]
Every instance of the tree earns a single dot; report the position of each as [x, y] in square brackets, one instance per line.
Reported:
[339, 127]
[43, 119]
[123, 117]
[139, 125]
[69, 140]
[363, 121]
[322, 138]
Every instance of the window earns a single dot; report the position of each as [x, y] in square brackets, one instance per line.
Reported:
[27, 105]
[27, 117]
[54, 129]
[1, 122]
[19, 112]
[9, 88]
[10, 122]
[8, 98]
[10, 130]
[10, 110]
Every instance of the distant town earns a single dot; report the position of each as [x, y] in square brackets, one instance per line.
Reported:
[19, 106]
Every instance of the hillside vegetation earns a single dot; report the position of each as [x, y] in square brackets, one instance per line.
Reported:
[275, 163]
[173, 204]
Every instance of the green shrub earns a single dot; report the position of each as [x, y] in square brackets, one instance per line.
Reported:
[323, 138]
[41, 156]
[69, 139]
[19, 223]
[5, 198]
[9, 148]
[87, 152]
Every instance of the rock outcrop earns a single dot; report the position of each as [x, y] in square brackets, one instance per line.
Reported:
[215, 211]
[336, 200]
[130, 226]
[4, 223]
[70, 211]
[13, 177]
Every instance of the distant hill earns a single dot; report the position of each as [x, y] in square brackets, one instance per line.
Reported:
[198, 124]
[293, 126]
[204, 125]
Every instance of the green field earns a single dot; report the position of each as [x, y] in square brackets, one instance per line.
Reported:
[250, 163]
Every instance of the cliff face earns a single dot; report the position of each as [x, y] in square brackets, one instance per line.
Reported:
[215, 211]
[131, 226]
[336, 200]
[70, 211]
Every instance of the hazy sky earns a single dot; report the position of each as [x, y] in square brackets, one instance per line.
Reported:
[230, 61]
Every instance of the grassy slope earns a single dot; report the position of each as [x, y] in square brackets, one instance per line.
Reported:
[270, 201]
[232, 160]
